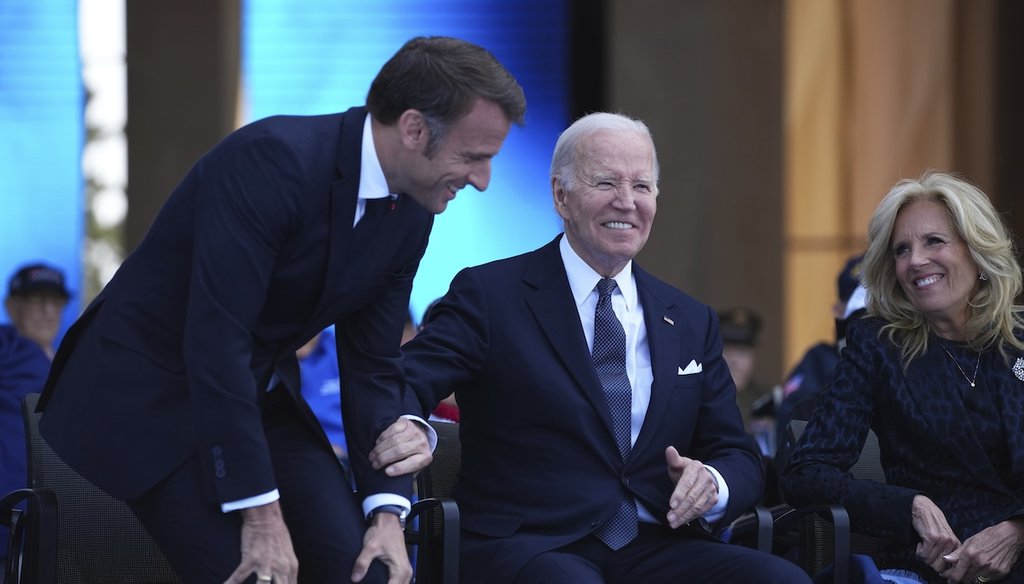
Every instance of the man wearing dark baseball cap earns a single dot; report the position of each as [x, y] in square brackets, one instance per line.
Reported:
[35, 319]
[36, 298]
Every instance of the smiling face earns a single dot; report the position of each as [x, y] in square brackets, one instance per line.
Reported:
[462, 158]
[609, 211]
[933, 266]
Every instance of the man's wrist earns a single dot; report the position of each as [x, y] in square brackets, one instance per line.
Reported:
[397, 510]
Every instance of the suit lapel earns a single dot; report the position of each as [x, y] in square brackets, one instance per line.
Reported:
[664, 343]
[344, 191]
[552, 305]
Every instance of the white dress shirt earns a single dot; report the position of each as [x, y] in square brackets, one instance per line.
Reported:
[626, 304]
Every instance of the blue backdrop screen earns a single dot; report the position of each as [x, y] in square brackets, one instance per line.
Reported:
[41, 136]
[319, 56]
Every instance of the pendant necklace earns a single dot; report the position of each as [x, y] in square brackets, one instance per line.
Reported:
[970, 380]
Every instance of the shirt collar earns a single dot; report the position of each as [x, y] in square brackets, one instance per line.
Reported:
[372, 184]
[583, 278]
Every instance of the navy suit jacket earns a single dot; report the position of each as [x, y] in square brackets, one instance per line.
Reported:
[928, 443]
[540, 467]
[252, 254]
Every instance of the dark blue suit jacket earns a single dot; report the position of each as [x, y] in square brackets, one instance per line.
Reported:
[540, 467]
[252, 254]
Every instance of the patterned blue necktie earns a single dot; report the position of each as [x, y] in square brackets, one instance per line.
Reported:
[610, 363]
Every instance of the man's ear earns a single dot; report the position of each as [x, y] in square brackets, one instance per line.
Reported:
[412, 128]
[559, 194]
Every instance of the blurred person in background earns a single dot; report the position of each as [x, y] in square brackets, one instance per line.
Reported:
[740, 328]
[36, 297]
[35, 303]
[813, 372]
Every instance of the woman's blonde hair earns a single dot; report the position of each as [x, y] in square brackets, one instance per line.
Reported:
[993, 315]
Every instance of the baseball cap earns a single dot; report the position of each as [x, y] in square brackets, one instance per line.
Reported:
[849, 278]
[37, 279]
[739, 326]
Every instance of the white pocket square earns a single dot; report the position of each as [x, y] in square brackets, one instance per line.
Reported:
[693, 367]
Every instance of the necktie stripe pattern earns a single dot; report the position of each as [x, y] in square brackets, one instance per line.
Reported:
[609, 356]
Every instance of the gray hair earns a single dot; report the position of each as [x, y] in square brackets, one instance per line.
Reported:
[563, 161]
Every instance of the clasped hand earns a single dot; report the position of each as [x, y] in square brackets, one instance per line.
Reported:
[402, 448]
[696, 490]
[990, 553]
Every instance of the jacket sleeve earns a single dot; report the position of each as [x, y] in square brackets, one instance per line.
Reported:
[452, 346]
[370, 364]
[247, 201]
[818, 472]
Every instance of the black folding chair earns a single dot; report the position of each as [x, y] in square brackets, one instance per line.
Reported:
[65, 529]
[437, 534]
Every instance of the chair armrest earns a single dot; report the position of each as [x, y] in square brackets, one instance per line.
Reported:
[426, 534]
[32, 544]
[838, 518]
[765, 528]
[757, 527]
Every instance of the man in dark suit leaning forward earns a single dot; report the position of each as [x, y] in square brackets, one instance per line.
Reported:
[600, 433]
[178, 388]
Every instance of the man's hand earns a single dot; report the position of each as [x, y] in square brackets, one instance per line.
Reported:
[991, 553]
[384, 541]
[402, 448]
[266, 547]
[696, 490]
[937, 537]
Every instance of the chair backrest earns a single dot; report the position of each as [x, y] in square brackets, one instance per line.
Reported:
[438, 479]
[99, 539]
[817, 545]
[438, 531]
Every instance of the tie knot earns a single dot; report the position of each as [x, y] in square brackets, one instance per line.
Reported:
[605, 287]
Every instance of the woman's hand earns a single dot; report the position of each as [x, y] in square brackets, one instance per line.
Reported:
[937, 537]
[990, 553]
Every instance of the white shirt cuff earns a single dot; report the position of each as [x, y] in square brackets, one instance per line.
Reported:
[718, 511]
[431, 433]
[374, 501]
[256, 501]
